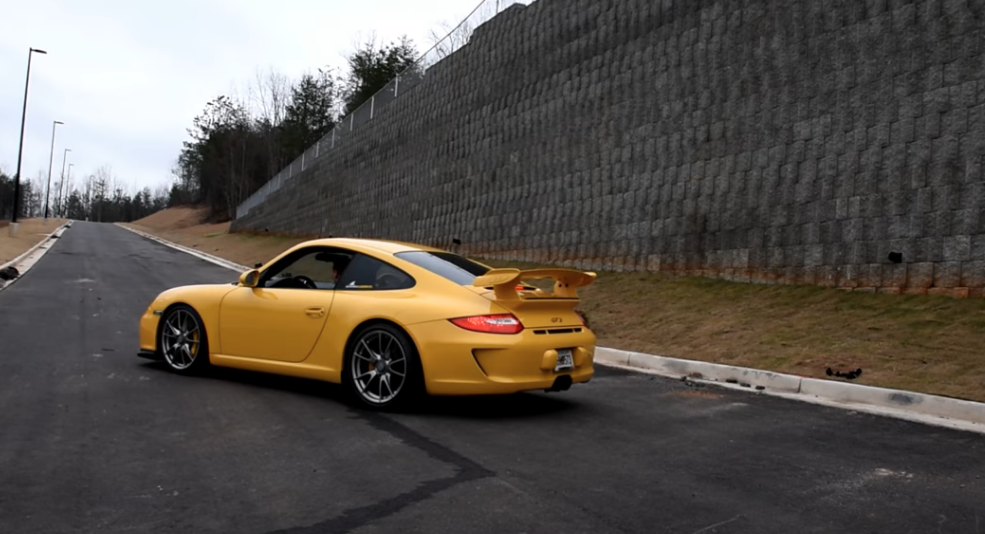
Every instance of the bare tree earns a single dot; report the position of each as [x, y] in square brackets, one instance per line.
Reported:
[237, 148]
[87, 195]
[34, 196]
[57, 196]
[99, 184]
[270, 95]
[161, 194]
[64, 191]
[452, 37]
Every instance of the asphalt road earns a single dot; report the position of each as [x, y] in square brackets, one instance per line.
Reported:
[95, 439]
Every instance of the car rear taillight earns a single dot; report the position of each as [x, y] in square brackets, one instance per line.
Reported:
[491, 324]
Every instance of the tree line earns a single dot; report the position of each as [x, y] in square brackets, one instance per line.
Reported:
[237, 144]
[98, 197]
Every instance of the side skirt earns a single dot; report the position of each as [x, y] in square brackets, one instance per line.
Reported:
[299, 370]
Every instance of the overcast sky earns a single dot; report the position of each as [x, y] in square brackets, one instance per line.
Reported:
[128, 76]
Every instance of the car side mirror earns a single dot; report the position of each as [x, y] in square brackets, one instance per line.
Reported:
[249, 278]
[257, 265]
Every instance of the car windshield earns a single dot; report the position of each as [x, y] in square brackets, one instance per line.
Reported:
[458, 269]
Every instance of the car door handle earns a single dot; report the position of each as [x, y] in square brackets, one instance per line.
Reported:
[315, 311]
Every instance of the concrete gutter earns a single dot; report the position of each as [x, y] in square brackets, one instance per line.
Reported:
[919, 407]
[25, 261]
[907, 405]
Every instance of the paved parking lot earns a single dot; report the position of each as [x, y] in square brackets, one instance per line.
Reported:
[95, 439]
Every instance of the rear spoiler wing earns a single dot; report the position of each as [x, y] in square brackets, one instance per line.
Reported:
[504, 282]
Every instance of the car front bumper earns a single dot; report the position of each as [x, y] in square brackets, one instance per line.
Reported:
[149, 354]
[148, 331]
[461, 362]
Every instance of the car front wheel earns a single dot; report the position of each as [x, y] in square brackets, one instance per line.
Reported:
[182, 340]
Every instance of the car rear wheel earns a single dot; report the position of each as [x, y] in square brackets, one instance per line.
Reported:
[382, 368]
[182, 340]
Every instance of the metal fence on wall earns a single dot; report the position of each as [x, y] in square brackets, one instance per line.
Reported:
[397, 87]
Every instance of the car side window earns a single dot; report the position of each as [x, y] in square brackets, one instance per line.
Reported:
[368, 273]
[309, 268]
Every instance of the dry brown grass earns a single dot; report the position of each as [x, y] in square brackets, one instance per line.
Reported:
[30, 233]
[922, 343]
[931, 344]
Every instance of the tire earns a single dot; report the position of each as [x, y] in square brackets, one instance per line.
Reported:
[182, 341]
[382, 346]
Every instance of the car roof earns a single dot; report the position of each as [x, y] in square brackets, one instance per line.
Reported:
[380, 245]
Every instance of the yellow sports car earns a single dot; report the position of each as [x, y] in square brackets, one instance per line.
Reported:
[389, 320]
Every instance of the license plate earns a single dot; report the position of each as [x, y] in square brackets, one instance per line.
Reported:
[564, 360]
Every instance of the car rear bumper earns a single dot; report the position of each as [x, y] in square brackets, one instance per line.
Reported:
[461, 362]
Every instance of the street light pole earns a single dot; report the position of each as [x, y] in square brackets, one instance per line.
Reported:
[20, 149]
[51, 158]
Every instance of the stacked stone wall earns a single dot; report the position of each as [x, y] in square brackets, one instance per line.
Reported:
[785, 141]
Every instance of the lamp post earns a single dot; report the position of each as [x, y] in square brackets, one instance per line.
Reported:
[20, 149]
[51, 158]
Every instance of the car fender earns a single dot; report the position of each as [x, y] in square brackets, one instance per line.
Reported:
[205, 299]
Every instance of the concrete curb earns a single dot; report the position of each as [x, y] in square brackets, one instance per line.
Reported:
[25, 261]
[918, 407]
[697, 370]
[197, 253]
[907, 405]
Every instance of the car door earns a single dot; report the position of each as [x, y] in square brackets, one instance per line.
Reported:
[282, 318]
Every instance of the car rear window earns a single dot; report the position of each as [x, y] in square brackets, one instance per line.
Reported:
[458, 269]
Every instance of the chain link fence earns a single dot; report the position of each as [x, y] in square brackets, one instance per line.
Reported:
[399, 86]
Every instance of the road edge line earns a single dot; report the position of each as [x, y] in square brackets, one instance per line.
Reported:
[924, 408]
[934, 410]
[18, 262]
[233, 266]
